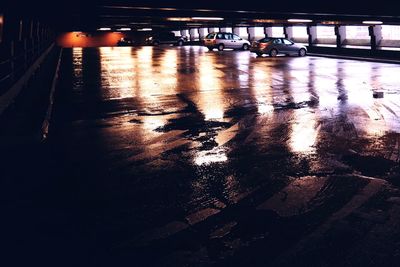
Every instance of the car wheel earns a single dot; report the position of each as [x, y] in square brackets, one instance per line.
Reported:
[302, 52]
[210, 48]
[259, 54]
[273, 53]
[245, 47]
[180, 43]
[221, 47]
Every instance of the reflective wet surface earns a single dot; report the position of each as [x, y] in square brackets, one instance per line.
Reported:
[176, 156]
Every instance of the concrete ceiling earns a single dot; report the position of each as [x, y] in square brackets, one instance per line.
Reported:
[91, 15]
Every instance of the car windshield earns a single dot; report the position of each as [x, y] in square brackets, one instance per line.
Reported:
[265, 40]
[210, 36]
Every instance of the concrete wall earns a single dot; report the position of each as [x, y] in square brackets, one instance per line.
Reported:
[79, 39]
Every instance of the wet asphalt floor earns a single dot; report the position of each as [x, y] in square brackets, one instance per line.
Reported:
[177, 156]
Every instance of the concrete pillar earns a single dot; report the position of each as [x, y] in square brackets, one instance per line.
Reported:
[12, 63]
[212, 29]
[37, 39]
[340, 32]
[37, 29]
[192, 34]
[376, 35]
[236, 30]
[312, 34]
[30, 29]
[241, 31]
[203, 32]
[198, 33]
[185, 33]
[25, 54]
[252, 33]
[268, 31]
[20, 30]
[288, 32]
[225, 29]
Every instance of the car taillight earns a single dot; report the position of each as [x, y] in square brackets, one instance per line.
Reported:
[263, 45]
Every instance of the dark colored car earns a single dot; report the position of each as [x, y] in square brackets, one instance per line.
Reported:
[125, 42]
[274, 46]
[165, 38]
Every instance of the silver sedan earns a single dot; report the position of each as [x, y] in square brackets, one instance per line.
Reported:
[275, 46]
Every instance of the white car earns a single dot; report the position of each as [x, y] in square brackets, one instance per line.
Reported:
[222, 40]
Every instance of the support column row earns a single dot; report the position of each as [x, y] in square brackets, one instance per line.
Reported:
[253, 33]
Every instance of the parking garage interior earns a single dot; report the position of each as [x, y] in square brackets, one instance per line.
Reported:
[177, 155]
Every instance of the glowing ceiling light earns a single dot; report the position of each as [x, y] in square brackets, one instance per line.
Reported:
[207, 18]
[203, 10]
[104, 29]
[124, 29]
[264, 20]
[372, 22]
[168, 9]
[145, 29]
[330, 22]
[179, 19]
[299, 20]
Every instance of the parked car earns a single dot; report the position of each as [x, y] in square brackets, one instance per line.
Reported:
[125, 42]
[222, 40]
[165, 38]
[274, 46]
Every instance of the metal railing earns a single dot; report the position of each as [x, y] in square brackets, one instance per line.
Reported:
[17, 57]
